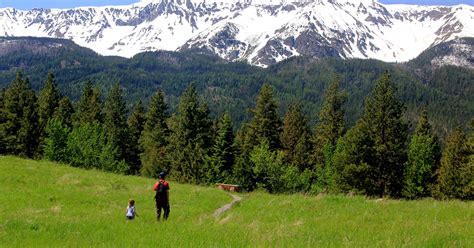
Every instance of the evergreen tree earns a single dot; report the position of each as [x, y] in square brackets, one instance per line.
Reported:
[154, 138]
[18, 130]
[331, 124]
[115, 121]
[468, 172]
[48, 101]
[456, 174]
[266, 124]
[64, 111]
[222, 155]
[242, 171]
[383, 115]
[375, 148]
[423, 155]
[353, 152]
[89, 106]
[295, 137]
[190, 137]
[136, 122]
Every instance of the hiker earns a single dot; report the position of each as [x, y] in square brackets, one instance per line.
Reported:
[131, 210]
[162, 197]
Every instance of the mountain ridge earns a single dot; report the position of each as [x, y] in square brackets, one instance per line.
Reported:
[259, 32]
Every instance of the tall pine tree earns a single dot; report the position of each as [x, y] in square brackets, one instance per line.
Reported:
[374, 150]
[190, 137]
[265, 124]
[331, 124]
[222, 155]
[65, 111]
[423, 157]
[89, 106]
[19, 127]
[455, 176]
[136, 122]
[154, 138]
[295, 137]
[48, 102]
[115, 121]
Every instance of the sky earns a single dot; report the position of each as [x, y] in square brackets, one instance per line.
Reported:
[29, 4]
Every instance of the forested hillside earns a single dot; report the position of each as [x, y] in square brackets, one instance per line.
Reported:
[447, 92]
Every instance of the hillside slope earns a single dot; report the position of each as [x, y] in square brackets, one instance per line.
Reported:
[447, 92]
[50, 205]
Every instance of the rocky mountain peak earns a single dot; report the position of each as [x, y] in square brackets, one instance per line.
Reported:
[261, 32]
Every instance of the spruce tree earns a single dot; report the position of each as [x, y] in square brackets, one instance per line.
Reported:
[89, 108]
[115, 120]
[423, 155]
[374, 150]
[154, 138]
[18, 130]
[48, 102]
[136, 122]
[242, 171]
[455, 176]
[265, 124]
[331, 124]
[222, 156]
[383, 117]
[295, 137]
[64, 111]
[190, 137]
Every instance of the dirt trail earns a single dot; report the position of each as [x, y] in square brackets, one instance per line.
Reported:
[226, 207]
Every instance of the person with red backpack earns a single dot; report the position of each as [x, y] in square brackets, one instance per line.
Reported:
[162, 188]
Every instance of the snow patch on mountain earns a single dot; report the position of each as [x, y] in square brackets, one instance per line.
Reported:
[262, 32]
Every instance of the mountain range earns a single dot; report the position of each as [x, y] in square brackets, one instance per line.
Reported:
[260, 32]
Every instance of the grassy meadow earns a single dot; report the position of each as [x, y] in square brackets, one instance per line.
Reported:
[44, 204]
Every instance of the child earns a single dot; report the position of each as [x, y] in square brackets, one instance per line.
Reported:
[131, 210]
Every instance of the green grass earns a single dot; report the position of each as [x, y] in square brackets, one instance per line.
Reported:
[47, 204]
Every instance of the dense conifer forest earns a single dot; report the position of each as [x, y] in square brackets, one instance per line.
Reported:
[275, 148]
[447, 93]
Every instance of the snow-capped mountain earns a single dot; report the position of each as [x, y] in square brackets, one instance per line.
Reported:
[261, 32]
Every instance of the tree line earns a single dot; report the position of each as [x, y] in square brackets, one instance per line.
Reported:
[376, 157]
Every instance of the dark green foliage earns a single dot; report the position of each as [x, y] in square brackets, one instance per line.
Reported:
[136, 123]
[353, 151]
[423, 157]
[446, 92]
[379, 139]
[65, 111]
[19, 126]
[88, 148]
[55, 144]
[456, 174]
[331, 124]
[383, 116]
[265, 124]
[48, 102]
[190, 138]
[295, 137]
[115, 121]
[219, 163]
[242, 172]
[89, 108]
[154, 137]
